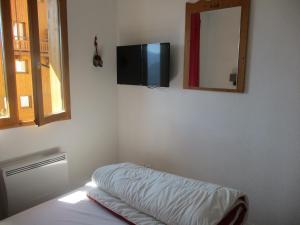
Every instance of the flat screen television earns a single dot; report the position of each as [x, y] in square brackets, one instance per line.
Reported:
[146, 64]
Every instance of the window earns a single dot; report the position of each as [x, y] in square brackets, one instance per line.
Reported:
[34, 71]
[25, 101]
[19, 31]
[21, 66]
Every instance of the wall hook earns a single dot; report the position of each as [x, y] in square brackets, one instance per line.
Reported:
[97, 60]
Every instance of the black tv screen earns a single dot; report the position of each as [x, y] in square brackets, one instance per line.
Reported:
[146, 64]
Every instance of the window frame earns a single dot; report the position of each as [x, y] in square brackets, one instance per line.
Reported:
[40, 118]
[8, 38]
[9, 70]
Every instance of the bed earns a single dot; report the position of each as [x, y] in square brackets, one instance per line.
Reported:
[73, 208]
[130, 194]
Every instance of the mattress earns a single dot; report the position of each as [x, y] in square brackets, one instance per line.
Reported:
[73, 208]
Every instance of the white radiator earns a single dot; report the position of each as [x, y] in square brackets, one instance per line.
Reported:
[26, 183]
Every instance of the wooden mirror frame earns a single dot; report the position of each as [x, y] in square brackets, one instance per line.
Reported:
[209, 5]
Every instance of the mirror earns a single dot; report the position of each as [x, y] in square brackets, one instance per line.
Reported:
[219, 48]
[216, 44]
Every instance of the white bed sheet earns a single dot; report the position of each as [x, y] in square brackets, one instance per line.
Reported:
[73, 208]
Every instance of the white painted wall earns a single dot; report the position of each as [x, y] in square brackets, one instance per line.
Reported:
[247, 141]
[90, 137]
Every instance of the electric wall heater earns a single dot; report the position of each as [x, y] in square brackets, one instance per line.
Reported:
[28, 182]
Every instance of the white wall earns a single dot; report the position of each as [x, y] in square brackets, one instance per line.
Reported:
[90, 137]
[248, 141]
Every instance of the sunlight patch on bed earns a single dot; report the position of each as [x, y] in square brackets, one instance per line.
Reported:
[91, 184]
[74, 198]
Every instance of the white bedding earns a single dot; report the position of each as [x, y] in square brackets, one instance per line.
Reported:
[122, 209]
[168, 198]
[71, 209]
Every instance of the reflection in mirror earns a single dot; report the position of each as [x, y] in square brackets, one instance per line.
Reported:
[219, 48]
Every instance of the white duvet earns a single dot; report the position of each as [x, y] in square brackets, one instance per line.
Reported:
[122, 209]
[171, 199]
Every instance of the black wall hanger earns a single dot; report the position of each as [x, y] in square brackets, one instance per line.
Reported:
[97, 60]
